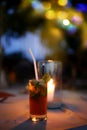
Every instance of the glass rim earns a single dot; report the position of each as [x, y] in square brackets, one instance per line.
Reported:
[49, 61]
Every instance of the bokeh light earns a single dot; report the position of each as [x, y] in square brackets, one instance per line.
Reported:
[77, 19]
[50, 14]
[66, 22]
[47, 5]
[71, 29]
[81, 7]
[62, 2]
[62, 14]
[37, 5]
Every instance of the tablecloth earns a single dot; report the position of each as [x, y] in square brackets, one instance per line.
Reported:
[14, 112]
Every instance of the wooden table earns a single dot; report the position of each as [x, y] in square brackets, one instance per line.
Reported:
[14, 113]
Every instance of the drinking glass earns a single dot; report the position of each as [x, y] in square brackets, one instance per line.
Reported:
[54, 69]
[37, 99]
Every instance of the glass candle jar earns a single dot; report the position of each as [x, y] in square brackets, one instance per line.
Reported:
[54, 86]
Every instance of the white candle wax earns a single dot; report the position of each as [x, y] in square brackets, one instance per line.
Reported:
[50, 90]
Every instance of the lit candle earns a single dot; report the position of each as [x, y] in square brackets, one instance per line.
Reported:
[50, 90]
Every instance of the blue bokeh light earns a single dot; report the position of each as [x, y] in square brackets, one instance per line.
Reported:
[81, 7]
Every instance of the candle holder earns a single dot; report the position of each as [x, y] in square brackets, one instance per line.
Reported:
[54, 85]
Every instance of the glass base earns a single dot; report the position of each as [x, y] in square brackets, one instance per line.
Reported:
[35, 118]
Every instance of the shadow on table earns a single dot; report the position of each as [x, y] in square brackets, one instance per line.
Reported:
[29, 125]
[79, 128]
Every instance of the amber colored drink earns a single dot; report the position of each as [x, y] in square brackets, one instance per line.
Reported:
[37, 100]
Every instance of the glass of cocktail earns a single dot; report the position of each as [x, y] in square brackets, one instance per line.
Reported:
[37, 99]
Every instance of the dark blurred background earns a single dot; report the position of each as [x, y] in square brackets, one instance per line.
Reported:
[53, 29]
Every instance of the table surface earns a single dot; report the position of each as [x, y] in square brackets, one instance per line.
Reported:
[14, 112]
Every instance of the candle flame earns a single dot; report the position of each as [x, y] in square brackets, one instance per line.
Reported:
[50, 84]
[50, 89]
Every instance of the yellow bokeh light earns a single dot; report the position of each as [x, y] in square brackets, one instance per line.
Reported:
[62, 2]
[24, 4]
[62, 14]
[50, 14]
[47, 5]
